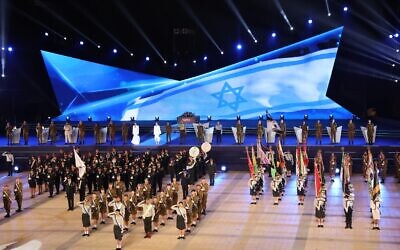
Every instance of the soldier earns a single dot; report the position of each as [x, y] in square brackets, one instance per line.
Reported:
[218, 132]
[82, 187]
[348, 203]
[9, 162]
[81, 132]
[333, 127]
[351, 131]
[18, 192]
[239, 132]
[204, 189]
[119, 187]
[304, 132]
[68, 133]
[103, 205]
[95, 209]
[50, 182]
[52, 132]
[111, 130]
[260, 131]
[7, 200]
[382, 161]
[124, 129]
[182, 132]
[332, 166]
[168, 132]
[370, 132]
[211, 169]
[200, 133]
[9, 133]
[148, 216]
[282, 135]
[39, 133]
[25, 132]
[318, 132]
[96, 133]
[181, 219]
[70, 192]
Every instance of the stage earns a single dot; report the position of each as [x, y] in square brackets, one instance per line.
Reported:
[231, 222]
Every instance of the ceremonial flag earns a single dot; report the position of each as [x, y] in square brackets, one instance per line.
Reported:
[253, 158]
[305, 156]
[342, 173]
[280, 154]
[261, 154]
[317, 179]
[251, 167]
[298, 162]
[79, 164]
[376, 190]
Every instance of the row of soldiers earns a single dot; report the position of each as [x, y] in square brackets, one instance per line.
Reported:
[18, 196]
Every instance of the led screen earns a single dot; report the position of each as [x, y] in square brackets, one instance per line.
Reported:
[291, 85]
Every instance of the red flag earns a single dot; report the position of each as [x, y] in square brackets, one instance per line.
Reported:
[305, 156]
[251, 167]
[317, 181]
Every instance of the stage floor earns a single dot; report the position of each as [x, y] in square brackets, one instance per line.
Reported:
[231, 223]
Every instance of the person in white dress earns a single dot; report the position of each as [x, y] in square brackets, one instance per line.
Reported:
[157, 133]
[135, 133]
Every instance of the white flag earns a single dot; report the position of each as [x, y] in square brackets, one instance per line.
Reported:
[79, 164]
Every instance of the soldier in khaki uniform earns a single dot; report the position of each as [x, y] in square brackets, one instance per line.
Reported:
[52, 132]
[333, 131]
[318, 132]
[81, 132]
[7, 200]
[96, 131]
[25, 132]
[282, 135]
[182, 132]
[168, 132]
[18, 192]
[200, 134]
[204, 189]
[111, 130]
[239, 132]
[9, 133]
[351, 131]
[124, 129]
[370, 132]
[304, 132]
[260, 131]
[39, 132]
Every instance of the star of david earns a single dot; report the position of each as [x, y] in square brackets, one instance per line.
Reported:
[227, 89]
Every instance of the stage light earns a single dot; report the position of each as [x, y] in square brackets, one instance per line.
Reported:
[396, 35]
[98, 46]
[175, 64]
[222, 52]
[329, 14]
[337, 171]
[397, 50]
[16, 168]
[10, 49]
[131, 54]
[345, 8]
[273, 34]
[67, 119]
[165, 61]
[310, 21]
[393, 65]
[390, 36]
[147, 58]
[89, 118]
[209, 118]
[81, 42]
[2, 48]
[255, 41]
[291, 28]
[46, 33]
[65, 38]
[108, 118]
[3, 75]
[115, 51]
[194, 61]
[330, 117]
[305, 117]
[396, 80]
[49, 118]
[239, 46]
[282, 117]
[223, 168]
[205, 58]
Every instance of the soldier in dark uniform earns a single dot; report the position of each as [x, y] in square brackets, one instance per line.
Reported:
[96, 131]
[351, 131]
[318, 132]
[348, 209]
[239, 132]
[200, 133]
[282, 135]
[82, 187]
[50, 182]
[52, 132]
[211, 168]
[304, 132]
[81, 132]
[124, 129]
[25, 132]
[182, 132]
[57, 179]
[99, 180]
[39, 132]
[18, 192]
[333, 131]
[70, 192]
[370, 132]
[9, 133]
[168, 132]
[111, 130]
[7, 200]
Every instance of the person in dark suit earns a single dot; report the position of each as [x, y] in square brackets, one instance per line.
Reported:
[168, 132]
[211, 168]
[70, 191]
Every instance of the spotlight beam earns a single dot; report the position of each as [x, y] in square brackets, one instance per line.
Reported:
[282, 12]
[191, 13]
[61, 19]
[3, 6]
[100, 26]
[237, 14]
[327, 7]
[133, 22]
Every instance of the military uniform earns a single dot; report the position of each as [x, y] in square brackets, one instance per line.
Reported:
[304, 133]
[7, 201]
[200, 133]
[260, 131]
[18, 193]
[318, 133]
[370, 133]
[53, 132]
[282, 135]
[111, 130]
[96, 131]
[25, 132]
[333, 131]
[124, 129]
[182, 132]
[81, 131]
[168, 132]
[351, 132]
[39, 133]
[239, 132]
[9, 133]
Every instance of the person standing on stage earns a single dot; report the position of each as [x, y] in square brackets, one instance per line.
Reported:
[68, 133]
[39, 133]
[348, 203]
[111, 132]
[211, 169]
[118, 227]
[52, 132]
[182, 132]
[260, 131]
[383, 163]
[333, 127]
[81, 132]
[318, 132]
[319, 205]
[25, 132]
[157, 133]
[200, 133]
[218, 132]
[50, 181]
[168, 132]
[70, 192]
[370, 132]
[332, 166]
[32, 183]
[304, 132]
[96, 133]
[9, 133]
[9, 162]
[7, 200]
[282, 127]
[181, 219]
[124, 131]
[86, 212]
[239, 132]
[148, 216]
[18, 193]
[351, 128]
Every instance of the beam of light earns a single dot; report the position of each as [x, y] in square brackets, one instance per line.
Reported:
[327, 8]
[99, 25]
[3, 7]
[192, 15]
[65, 22]
[133, 22]
[237, 14]
[282, 12]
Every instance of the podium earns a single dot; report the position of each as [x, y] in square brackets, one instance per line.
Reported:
[338, 134]
[297, 131]
[208, 132]
[16, 135]
[234, 132]
[74, 137]
[45, 135]
[103, 135]
[364, 132]
[269, 135]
